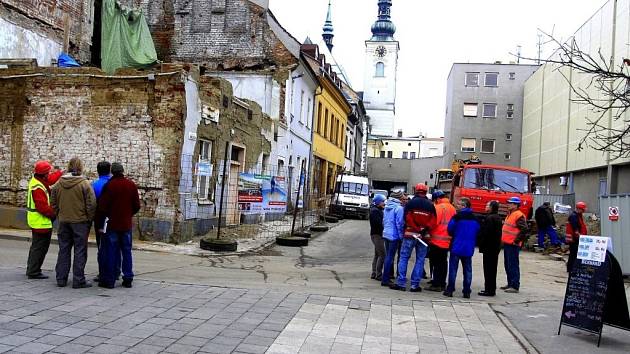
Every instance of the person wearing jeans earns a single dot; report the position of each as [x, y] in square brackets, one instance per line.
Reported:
[546, 223]
[463, 228]
[512, 267]
[514, 233]
[408, 246]
[393, 224]
[376, 234]
[118, 203]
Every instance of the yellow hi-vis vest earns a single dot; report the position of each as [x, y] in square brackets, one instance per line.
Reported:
[34, 219]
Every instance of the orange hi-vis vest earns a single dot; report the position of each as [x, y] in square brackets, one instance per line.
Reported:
[439, 234]
[510, 230]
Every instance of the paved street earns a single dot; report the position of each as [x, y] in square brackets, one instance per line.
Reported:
[317, 299]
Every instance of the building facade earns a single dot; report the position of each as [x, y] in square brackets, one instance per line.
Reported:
[554, 124]
[484, 112]
[409, 148]
[381, 67]
[330, 123]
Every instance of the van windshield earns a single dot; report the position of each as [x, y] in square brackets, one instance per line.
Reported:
[497, 180]
[352, 188]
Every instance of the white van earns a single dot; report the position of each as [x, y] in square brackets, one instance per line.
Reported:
[352, 196]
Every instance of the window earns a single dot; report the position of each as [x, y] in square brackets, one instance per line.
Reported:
[390, 154]
[469, 145]
[508, 137]
[512, 76]
[470, 110]
[319, 118]
[326, 124]
[408, 144]
[383, 154]
[510, 110]
[472, 79]
[302, 107]
[489, 110]
[405, 155]
[492, 80]
[507, 156]
[413, 155]
[204, 171]
[308, 113]
[380, 69]
[487, 146]
[497, 179]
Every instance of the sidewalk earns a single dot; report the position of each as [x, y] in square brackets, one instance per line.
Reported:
[152, 317]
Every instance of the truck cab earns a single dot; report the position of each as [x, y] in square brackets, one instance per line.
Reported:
[352, 196]
[484, 183]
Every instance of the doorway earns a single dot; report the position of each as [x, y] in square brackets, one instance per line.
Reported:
[95, 49]
[237, 161]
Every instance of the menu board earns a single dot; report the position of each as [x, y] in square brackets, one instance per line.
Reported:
[592, 248]
[585, 297]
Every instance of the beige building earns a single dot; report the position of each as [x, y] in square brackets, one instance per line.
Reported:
[553, 123]
[405, 147]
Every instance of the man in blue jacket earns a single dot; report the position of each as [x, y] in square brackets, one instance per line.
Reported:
[393, 227]
[463, 228]
[104, 174]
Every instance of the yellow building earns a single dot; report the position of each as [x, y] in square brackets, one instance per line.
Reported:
[331, 120]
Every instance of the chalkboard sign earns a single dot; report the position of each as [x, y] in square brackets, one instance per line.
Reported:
[593, 298]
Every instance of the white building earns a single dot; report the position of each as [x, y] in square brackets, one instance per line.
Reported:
[381, 66]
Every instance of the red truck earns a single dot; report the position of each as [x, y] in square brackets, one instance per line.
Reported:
[483, 183]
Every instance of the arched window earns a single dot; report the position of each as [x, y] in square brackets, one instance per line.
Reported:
[380, 69]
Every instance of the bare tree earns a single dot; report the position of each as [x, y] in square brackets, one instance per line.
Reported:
[606, 93]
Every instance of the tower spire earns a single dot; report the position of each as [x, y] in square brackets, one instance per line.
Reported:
[383, 29]
[328, 29]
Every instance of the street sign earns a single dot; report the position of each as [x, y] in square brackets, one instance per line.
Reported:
[613, 213]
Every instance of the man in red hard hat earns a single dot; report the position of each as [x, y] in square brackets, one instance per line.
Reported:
[40, 216]
[574, 229]
[420, 217]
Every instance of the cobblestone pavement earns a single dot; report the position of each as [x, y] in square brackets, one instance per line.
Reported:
[152, 317]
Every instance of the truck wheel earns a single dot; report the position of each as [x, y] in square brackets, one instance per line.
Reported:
[291, 241]
[218, 245]
[319, 228]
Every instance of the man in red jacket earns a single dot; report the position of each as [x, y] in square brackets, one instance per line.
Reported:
[118, 203]
[40, 216]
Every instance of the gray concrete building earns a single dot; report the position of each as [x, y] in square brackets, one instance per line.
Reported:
[484, 111]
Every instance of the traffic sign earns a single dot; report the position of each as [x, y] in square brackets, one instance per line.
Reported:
[613, 213]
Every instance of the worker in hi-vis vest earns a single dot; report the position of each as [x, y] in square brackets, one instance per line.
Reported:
[514, 233]
[40, 216]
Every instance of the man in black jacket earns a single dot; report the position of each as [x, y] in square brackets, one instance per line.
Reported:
[490, 246]
[376, 233]
[546, 223]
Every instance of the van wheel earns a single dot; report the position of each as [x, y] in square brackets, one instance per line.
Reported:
[292, 241]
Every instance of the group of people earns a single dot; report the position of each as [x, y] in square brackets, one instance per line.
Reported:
[69, 198]
[447, 236]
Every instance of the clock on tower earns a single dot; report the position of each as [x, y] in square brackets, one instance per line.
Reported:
[381, 51]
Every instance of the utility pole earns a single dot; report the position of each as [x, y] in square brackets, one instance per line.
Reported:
[540, 45]
[518, 54]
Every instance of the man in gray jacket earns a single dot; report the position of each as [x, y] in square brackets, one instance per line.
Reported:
[74, 202]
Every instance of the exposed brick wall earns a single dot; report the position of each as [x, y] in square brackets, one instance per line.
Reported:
[135, 121]
[46, 17]
[222, 34]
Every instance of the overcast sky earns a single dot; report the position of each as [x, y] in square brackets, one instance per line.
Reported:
[432, 36]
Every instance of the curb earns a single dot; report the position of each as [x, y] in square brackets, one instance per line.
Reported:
[520, 338]
[53, 241]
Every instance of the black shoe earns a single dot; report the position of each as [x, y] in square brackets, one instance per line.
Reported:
[378, 278]
[373, 276]
[447, 294]
[466, 295]
[127, 283]
[97, 279]
[396, 287]
[415, 290]
[103, 285]
[62, 283]
[82, 285]
[435, 288]
[387, 284]
[38, 276]
[485, 293]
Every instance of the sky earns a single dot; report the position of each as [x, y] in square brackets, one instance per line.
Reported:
[433, 35]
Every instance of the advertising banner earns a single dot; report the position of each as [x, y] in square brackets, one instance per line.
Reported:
[261, 194]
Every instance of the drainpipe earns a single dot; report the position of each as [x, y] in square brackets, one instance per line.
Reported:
[307, 188]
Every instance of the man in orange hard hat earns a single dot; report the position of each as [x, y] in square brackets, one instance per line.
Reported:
[40, 216]
[575, 228]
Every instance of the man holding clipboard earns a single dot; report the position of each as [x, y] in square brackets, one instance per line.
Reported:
[420, 217]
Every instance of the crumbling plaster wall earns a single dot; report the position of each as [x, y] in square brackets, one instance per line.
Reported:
[39, 26]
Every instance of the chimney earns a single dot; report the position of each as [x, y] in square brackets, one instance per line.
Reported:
[400, 133]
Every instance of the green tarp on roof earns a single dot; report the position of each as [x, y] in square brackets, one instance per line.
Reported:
[125, 36]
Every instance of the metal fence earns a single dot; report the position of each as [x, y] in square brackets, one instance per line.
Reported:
[564, 199]
[619, 230]
[251, 201]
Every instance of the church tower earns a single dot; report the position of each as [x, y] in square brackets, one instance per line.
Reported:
[381, 66]
[327, 33]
